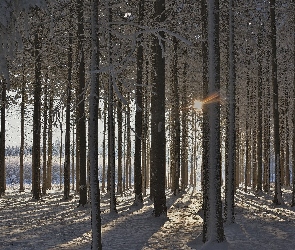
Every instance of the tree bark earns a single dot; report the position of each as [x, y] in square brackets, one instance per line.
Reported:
[36, 119]
[276, 121]
[158, 140]
[215, 221]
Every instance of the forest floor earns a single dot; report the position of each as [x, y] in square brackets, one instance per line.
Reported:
[57, 224]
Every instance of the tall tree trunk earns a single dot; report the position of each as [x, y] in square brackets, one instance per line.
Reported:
[67, 164]
[22, 137]
[259, 117]
[215, 222]
[81, 104]
[139, 111]
[111, 123]
[104, 147]
[93, 132]
[205, 121]
[2, 140]
[60, 147]
[231, 138]
[176, 123]
[44, 151]
[184, 138]
[36, 119]
[276, 119]
[50, 121]
[158, 140]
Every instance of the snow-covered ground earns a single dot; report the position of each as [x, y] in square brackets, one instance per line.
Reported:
[56, 224]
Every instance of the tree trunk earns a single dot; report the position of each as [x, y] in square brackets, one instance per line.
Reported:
[111, 124]
[67, 164]
[49, 163]
[36, 119]
[81, 104]
[22, 137]
[259, 117]
[93, 132]
[215, 222]
[231, 138]
[139, 111]
[44, 167]
[158, 140]
[276, 119]
[205, 121]
[2, 140]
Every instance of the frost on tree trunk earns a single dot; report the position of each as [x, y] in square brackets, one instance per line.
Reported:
[158, 140]
[215, 231]
[278, 194]
[81, 116]
[93, 132]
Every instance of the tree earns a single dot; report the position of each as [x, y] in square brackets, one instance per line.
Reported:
[205, 121]
[158, 141]
[231, 137]
[276, 122]
[139, 111]
[67, 164]
[37, 111]
[2, 138]
[215, 229]
[93, 131]
[81, 103]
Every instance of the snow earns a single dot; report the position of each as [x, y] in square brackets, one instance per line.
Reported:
[56, 224]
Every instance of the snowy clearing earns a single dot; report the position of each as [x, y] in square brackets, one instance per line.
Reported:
[56, 224]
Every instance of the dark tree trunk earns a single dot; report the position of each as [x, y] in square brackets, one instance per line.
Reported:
[215, 221]
[22, 137]
[205, 122]
[104, 147]
[138, 115]
[175, 126]
[276, 119]
[111, 124]
[36, 119]
[81, 105]
[231, 137]
[2, 140]
[67, 164]
[158, 140]
[259, 117]
[93, 132]
[50, 121]
[44, 151]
